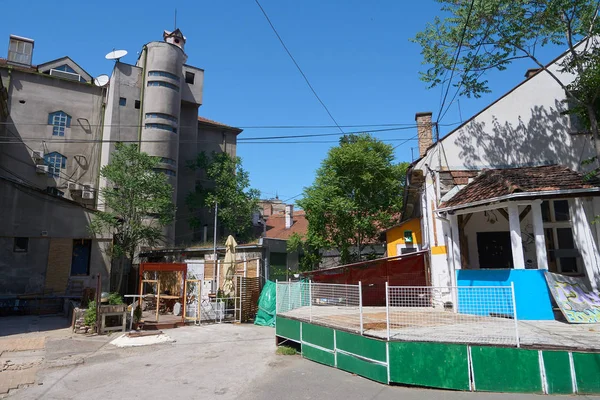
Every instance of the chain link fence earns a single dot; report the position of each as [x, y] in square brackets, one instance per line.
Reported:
[475, 314]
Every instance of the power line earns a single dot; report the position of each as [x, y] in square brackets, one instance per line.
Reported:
[460, 43]
[83, 141]
[240, 127]
[65, 140]
[297, 66]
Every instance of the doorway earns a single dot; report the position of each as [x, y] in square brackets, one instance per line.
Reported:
[494, 249]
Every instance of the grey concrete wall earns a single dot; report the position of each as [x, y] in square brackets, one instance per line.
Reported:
[31, 98]
[23, 272]
[28, 213]
[192, 92]
[186, 177]
[120, 122]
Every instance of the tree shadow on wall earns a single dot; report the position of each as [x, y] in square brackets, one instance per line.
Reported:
[542, 140]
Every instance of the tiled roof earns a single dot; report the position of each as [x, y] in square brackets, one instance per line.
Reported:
[493, 183]
[211, 122]
[276, 225]
[32, 68]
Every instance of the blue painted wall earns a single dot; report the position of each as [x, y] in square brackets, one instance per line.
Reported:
[531, 290]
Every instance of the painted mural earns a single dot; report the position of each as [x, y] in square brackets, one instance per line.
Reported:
[578, 304]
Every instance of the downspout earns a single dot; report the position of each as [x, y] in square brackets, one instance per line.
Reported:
[141, 120]
[99, 159]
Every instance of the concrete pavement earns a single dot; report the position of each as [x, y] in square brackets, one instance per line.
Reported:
[211, 362]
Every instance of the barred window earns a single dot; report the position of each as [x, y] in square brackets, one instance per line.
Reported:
[60, 120]
[55, 162]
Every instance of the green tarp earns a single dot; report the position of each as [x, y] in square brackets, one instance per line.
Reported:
[266, 305]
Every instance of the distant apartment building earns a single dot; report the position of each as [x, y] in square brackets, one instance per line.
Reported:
[58, 128]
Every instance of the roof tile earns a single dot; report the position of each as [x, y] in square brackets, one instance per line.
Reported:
[493, 183]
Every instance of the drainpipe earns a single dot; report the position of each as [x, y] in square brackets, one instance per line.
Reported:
[99, 159]
[145, 50]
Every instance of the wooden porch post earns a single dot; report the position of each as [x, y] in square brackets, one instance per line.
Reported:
[515, 236]
[538, 232]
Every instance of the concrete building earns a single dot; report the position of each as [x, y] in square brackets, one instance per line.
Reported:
[58, 128]
[505, 191]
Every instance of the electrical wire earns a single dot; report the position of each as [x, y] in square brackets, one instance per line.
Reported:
[239, 127]
[458, 49]
[298, 66]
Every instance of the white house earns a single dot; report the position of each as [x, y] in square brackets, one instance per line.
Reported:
[506, 191]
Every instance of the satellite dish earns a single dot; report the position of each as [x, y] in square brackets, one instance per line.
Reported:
[116, 54]
[101, 80]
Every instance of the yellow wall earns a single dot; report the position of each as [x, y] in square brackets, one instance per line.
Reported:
[395, 235]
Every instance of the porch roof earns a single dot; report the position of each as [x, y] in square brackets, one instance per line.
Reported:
[525, 182]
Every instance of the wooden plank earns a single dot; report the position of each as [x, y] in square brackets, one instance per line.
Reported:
[502, 212]
[524, 213]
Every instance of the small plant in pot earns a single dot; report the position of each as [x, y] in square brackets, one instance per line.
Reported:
[137, 317]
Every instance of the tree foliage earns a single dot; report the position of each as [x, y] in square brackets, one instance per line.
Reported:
[227, 184]
[138, 202]
[493, 33]
[356, 195]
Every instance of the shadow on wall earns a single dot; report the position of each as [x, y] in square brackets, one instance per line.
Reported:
[542, 140]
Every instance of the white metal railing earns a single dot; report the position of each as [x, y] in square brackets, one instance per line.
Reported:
[465, 314]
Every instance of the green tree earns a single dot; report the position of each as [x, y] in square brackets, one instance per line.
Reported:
[492, 33]
[138, 204]
[227, 184]
[356, 195]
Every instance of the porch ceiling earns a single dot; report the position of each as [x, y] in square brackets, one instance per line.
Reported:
[527, 182]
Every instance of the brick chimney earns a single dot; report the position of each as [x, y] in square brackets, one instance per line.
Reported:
[289, 216]
[424, 131]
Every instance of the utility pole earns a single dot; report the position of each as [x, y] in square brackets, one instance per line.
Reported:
[216, 270]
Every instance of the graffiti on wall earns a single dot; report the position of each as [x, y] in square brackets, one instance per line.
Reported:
[578, 304]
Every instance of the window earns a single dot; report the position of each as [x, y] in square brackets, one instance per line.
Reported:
[20, 51]
[137, 104]
[60, 121]
[80, 259]
[189, 77]
[165, 171]
[65, 68]
[164, 127]
[21, 245]
[162, 116]
[122, 101]
[55, 162]
[563, 256]
[164, 75]
[165, 160]
[164, 84]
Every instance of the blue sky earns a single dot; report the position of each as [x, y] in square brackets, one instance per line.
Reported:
[357, 55]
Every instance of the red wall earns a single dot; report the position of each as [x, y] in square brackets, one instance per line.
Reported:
[408, 270]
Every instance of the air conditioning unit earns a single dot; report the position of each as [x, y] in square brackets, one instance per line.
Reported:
[37, 155]
[87, 195]
[41, 169]
[72, 186]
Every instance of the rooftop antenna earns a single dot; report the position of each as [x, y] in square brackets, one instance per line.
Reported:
[101, 80]
[175, 26]
[116, 55]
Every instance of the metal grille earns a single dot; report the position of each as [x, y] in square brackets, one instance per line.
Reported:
[477, 314]
[452, 314]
